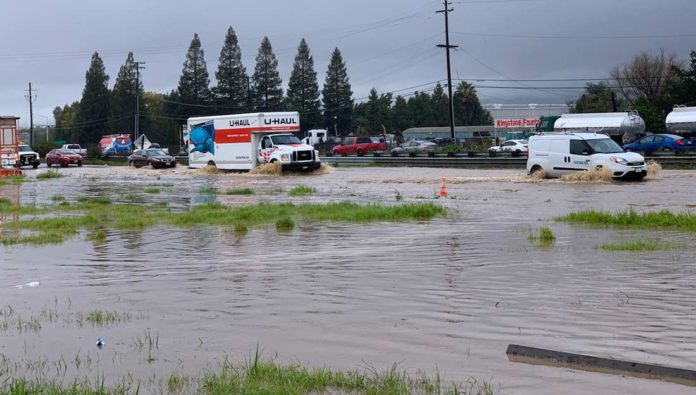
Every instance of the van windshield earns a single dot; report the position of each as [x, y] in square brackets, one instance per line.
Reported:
[604, 146]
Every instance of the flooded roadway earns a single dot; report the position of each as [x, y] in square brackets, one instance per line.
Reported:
[448, 295]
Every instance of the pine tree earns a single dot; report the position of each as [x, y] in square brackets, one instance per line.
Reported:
[378, 107]
[303, 89]
[267, 82]
[467, 109]
[123, 97]
[337, 96]
[401, 115]
[440, 107]
[194, 81]
[93, 112]
[232, 90]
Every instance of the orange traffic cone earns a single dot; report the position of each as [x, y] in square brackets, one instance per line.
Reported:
[443, 189]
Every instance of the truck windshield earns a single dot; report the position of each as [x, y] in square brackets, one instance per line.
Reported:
[604, 146]
[24, 148]
[285, 139]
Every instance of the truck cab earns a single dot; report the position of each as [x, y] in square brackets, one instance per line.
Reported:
[28, 157]
[289, 151]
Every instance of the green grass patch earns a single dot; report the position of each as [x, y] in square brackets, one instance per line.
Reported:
[58, 198]
[640, 245]
[241, 229]
[302, 190]
[664, 219]
[89, 214]
[545, 238]
[102, 318]
[267, 377]
[285, 224]
[153, 190]
[208, 191]
[12, 180]
[49, 175]
[240, 191]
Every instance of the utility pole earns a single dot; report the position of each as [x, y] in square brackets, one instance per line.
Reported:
[138, 66]
[31, 97]
[447, 47]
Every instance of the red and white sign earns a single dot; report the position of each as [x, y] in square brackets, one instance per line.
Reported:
[516, 123]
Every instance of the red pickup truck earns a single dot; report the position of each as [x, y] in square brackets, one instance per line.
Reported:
[359, 146]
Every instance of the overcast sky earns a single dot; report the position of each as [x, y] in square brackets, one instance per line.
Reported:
[387, 44]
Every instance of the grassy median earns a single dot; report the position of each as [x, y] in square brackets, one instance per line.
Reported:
[54, 223]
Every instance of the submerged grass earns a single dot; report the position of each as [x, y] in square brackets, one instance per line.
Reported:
[12, 180]
[240, 191]
[257, 376]
[48, 175]
[302, 190]
[89, 214]
[208, 191]
[544, 239]
[640, 245]
[664, 219]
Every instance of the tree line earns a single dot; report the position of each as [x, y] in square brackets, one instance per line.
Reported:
[649, 84]
[103, 111]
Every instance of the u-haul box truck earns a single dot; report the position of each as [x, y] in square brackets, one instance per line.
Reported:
[244, 141]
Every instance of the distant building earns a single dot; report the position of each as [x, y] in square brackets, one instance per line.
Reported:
[509, 121]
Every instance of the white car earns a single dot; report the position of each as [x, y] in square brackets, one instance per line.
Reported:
[516, 147]
[557, 154]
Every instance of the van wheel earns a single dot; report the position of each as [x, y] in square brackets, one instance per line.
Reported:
[211, 163]
[536, 170]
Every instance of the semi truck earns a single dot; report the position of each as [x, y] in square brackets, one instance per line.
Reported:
[245, 141]
[614, 124]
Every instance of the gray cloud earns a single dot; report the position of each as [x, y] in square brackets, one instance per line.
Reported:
[388, 44]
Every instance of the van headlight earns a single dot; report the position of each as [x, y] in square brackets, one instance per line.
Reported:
[616, 159]
[285, 157]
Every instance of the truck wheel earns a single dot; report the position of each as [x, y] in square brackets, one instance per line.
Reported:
[64, 164]
[35, 165]
[79, 164]
[360, 152]
[211, 163]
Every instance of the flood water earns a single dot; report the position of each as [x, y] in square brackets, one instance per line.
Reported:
[446, 296]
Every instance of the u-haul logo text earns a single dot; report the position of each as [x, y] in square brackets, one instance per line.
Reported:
[239, 122]
[280, 121]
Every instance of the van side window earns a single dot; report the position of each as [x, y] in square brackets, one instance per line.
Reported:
[579, 147]
[266, 143]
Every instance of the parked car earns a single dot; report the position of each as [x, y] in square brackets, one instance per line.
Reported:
[661, 142]
[155, 157]
[76, 148]
[415, 146]
[63, 158]
[28, 156]
[515, 147]
[358, 146]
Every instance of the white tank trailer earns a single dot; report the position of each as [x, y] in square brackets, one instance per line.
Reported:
[682, 121]
[614, 124]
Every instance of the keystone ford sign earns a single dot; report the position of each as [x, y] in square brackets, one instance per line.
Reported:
[516, 123]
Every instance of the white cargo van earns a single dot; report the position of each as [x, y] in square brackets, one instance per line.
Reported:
[561, 153]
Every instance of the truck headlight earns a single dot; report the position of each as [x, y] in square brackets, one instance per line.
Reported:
[285, 158]
[616, 159]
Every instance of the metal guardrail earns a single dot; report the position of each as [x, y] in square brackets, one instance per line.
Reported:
[667, 162]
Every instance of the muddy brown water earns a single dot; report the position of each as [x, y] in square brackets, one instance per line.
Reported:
[444, 296]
